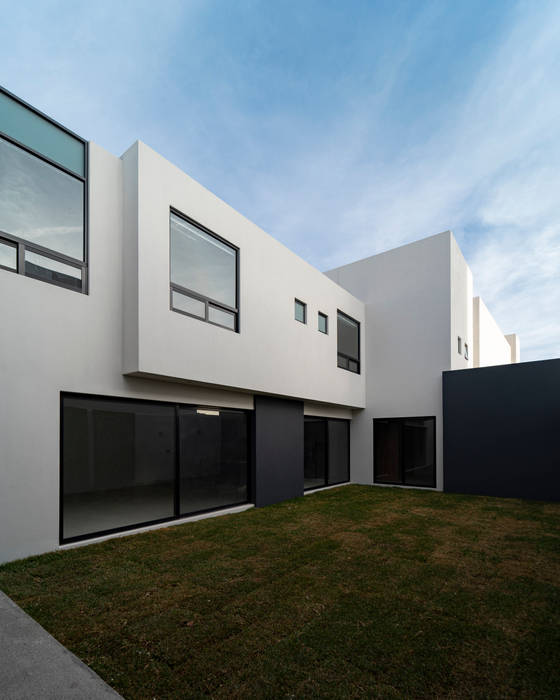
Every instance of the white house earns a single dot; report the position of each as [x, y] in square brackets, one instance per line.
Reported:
[162, 357]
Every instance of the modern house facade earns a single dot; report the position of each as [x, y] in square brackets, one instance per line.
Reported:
[162, 357]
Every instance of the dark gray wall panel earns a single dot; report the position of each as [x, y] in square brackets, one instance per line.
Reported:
[278, 450]
[501, 430]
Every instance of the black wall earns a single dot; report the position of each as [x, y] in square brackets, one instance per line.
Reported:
[501, 430]
[278, 450]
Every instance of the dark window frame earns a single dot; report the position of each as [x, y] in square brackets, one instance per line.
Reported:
[466, 351]
[320, 315]
[459, 345]
[304, 306]
[22, 244]
[400, 419]
[325, 421]
[207, 301]
[177, 516]
[344, 356]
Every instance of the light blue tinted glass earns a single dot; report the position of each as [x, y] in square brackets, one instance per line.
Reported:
[299, 311]
[37, 133]
[189, 305]
[224, 318]
[322, 323]
[52, 270]
[40, 203]
[202, 263]
[8, 256]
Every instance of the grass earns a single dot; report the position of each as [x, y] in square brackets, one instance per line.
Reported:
[353, 592]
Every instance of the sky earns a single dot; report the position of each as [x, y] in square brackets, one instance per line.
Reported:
[341, 128]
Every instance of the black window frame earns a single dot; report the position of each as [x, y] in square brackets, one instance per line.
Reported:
[400, 420]
[304, 306]
[321, 315]
[207, 301]
[178, 515]
[22, 244]
[466, 351]
[459, 345]
[325, 421]
[343, 357]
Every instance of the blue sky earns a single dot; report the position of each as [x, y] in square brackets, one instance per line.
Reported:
[341, 128]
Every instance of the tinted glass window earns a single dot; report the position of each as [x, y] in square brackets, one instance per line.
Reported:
[187, 304]
[213, 459]
[299, 311]
[323, 323]
[348, 338]
[40, 203]
[339, 451]
[36, 132]
[202, 263]
[221, 317]
[404, 451]
[315, 453]
[118, 464]
[50, 270]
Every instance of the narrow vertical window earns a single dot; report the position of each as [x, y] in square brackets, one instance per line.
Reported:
[466, 351]
[323, 323]
[459, 345]
[348, 336]
[300, 311]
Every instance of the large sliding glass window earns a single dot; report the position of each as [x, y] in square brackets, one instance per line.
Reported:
[204, 274]
[214, 458]
[405, 451]
[326, 452]
[348, 338]
[42, 197]
[127, 463]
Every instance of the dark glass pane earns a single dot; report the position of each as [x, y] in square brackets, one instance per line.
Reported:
[202, 263]
[418, 451]
[214, 459]
[8, 255]
[118, 464]
[315, 453]
[353, 366]
[386, 440]
[339, 451]
[348, 336]
[36, 132]
[40, 203]
[323, 323]
[52, 270]
[299, 311]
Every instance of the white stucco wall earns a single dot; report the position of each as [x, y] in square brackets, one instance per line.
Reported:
[513, 340]
[410, 324]
[461, 309]
[273, 353]
[490, 345]
[57, 340]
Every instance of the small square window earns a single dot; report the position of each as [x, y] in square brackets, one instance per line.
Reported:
[323, 323]
[459, 345]
[466, 352]
[300, 311]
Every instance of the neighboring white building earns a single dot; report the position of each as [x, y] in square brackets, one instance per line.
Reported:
[179, 360]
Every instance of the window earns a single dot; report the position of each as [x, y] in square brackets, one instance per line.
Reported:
[127, 463]
[466, 352]
[326, 452]
[204, 274]
[323, 322]
[405, 451]
[42, 197]
[348, 336]
[459, 345]
[300, 311]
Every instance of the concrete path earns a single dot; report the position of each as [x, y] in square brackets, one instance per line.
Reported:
[34, 665]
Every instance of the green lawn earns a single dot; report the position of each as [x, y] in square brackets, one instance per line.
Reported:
[352, 592]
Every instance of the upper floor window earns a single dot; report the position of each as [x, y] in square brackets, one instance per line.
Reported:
[300, 311]
[466, 351]
[459, 345]
[204, 274]
[323, 322]
[42, 197]
[348, 336]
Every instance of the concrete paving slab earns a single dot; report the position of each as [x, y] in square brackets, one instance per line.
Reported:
[33, 665]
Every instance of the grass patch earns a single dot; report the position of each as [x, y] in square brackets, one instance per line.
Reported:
[353, 592]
